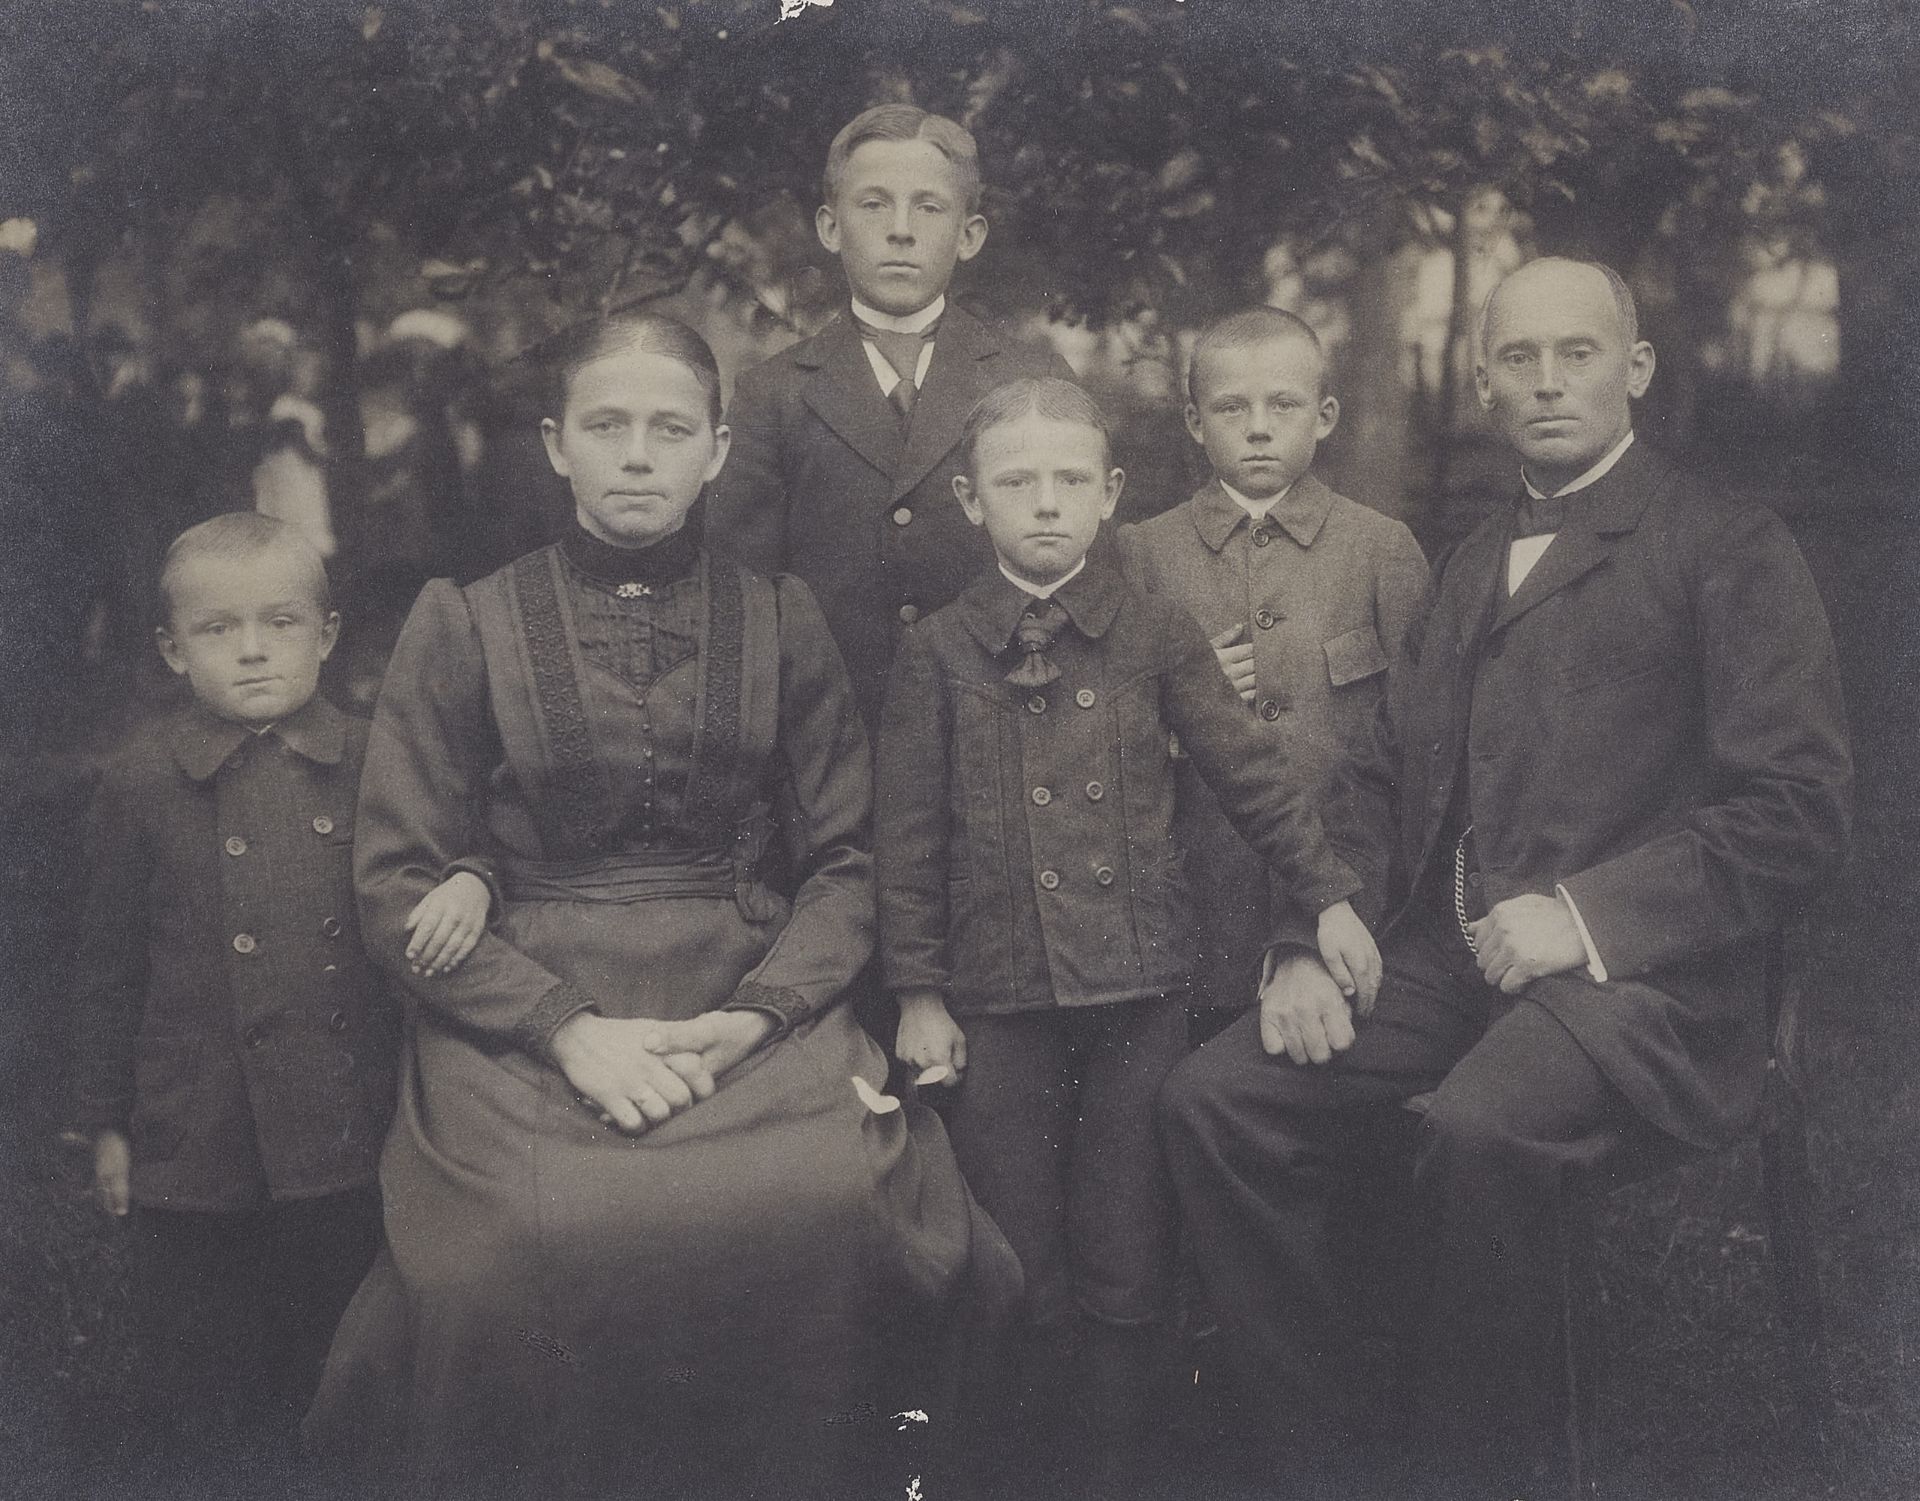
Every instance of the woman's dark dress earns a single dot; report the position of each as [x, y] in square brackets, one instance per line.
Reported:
[559, 1302]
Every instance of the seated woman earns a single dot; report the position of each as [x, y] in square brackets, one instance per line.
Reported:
[642, 1229]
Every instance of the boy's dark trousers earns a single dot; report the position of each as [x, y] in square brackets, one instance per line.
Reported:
[1053, 1127]
[236, 1310]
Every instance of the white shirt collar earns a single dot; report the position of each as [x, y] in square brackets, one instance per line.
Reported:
[1256, 509]
[910, 323]
[1598, 471]
[1040, 591]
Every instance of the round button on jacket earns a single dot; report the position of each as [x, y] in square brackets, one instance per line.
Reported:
[338, 1021]
[323, 825]
[1261, 536]
[236, 845]
[1041, 797]
[243, 943]
[1103, 874]
[1095, 792]
[1264, 619]
[330, 927]
[902, 515]
[1269, 709]
[1084, 698]
[1036, 705]
[909, 614]
[1050, 879]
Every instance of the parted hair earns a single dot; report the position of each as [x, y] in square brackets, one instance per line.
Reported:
[1046, 396]
[239, 536]
[1623, 301]
[1254, 325]
[906, 122]
[631, 328]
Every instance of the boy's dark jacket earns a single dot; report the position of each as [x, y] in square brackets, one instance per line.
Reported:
[225, 1014]
[1024, 838]
[822, 483]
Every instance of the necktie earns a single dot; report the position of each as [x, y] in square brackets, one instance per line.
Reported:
[902, 351]
[1536, 518]
[1039, 623]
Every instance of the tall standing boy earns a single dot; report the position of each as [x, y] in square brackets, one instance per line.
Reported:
[1308, 597]
[845, 446]
[1032, 899]
[235, 1052]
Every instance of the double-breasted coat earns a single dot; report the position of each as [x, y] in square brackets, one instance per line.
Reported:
[226, 1015]
[824, 483]
[1652, 720]
[1326, 590]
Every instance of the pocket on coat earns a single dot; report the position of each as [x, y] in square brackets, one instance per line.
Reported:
[1354, 655]
[164, 1078]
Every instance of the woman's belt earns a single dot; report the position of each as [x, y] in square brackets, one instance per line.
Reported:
[652, 874]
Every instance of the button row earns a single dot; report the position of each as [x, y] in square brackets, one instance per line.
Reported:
[1086, 698]
[246, 943]
[236, 846]
[1102, 875]
[1043, 795]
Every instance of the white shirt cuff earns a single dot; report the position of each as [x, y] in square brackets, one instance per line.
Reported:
[1596, 970]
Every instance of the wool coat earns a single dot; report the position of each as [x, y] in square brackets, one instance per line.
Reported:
[824, 483]
[1652, 720]
[1326, 590]
[226, 1016]
[1024, 836]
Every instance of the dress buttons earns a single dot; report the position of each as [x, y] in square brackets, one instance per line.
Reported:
[243, 943]
[338, 1021]
[1269, 709]
[253, 1036]
[647, 751]
[1050, 880]
[1095, 792]
[909, 614]
[1041, 797]
[902, 515]
[1036, 705]
[330, 927]
[1264, 619]
[236, 845]
[1103, 875]
[331, 971]
[1084, 698]
[1261, 536]
[323, 825]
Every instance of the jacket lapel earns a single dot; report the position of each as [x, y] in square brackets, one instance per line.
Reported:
[844, 394]
[1611, 509]
[957, 377]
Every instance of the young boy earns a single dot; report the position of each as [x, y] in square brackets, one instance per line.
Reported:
[236, 1054]
[1307, 596]
[1033, 917]
[845, 446]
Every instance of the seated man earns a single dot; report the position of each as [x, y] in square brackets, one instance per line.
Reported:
[1619, 756]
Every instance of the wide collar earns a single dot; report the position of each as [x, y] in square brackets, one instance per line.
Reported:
[1600, 514]
[844, 394]
[1301, 512]
[672, 557]
[202, 741]
[992, 605]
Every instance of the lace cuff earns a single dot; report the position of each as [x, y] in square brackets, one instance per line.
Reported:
[788, 1008]
[535, 1030]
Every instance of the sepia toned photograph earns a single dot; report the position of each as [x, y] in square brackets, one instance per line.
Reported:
[959, 750]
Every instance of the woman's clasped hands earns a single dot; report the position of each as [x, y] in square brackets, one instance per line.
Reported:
[639, 1072]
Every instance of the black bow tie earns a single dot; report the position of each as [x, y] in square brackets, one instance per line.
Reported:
[1538, 518]
[1040, 622]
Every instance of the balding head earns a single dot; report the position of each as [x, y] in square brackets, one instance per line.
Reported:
[1561, 360]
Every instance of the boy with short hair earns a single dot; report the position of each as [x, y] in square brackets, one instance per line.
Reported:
[1308, 597]
[235, 1051]
[1032, 900]
[845, 445]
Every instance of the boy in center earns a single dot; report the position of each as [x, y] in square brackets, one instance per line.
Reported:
[1033, 913]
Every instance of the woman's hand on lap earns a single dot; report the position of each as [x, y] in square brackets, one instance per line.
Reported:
[608, 1061]
[719, 1039]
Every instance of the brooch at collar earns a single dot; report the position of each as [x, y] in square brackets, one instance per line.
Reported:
[634, 591]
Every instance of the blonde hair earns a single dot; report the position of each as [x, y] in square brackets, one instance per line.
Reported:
[906, 122]
[240, 535]
[1032, 396]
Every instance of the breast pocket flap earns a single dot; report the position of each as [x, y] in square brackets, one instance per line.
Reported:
[1354, 655]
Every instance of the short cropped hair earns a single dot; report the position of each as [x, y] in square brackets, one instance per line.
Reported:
[1046, 396]
[906, 122]
[631, 328]
[238, 536]
[1254, 325]
[1623, 302]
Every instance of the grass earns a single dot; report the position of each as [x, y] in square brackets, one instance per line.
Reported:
[1696, 1404]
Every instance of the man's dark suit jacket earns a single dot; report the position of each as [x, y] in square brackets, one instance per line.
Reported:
[823, 483]
[1652, 720]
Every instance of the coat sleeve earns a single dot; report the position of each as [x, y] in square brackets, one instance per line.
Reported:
[1774, 737]
[747, 501]
[1264, 793]
[110, 964]
[1401, 592]
[826, 767]
[429, 753]
[912, 843]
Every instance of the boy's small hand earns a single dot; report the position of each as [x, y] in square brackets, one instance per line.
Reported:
[1352, 957]
[1235, 655]
[1302, 1012]
[928, 1037]
[112, 1168]
[447, 923]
